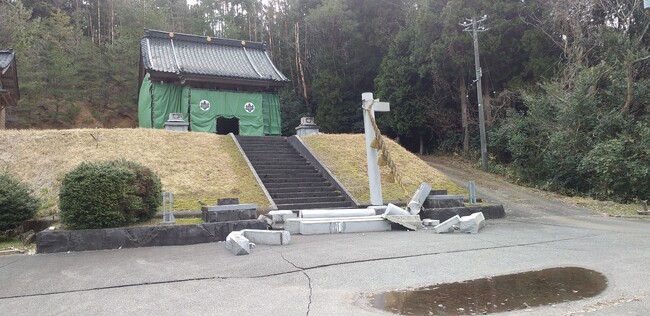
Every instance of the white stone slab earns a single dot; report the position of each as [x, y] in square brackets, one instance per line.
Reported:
[472, 223]
[292, 225]
[411, 222]
[448, 225]
[344, 225]
[267, 237]
[345, 212]
[415, 205]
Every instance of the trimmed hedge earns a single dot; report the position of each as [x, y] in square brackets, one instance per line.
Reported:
[17, 203]
[108, 194]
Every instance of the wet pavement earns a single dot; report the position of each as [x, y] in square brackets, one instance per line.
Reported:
[519, 291]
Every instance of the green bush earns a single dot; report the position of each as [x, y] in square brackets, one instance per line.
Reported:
[108, 194]
[16, 202]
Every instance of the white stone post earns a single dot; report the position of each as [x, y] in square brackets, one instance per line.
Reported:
[372, 155]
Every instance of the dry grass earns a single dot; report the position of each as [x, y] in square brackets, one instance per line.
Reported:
[345, 156]
[197, 167]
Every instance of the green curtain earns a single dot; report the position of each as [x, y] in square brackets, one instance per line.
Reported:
[206, 106]
[144, 103]
[271, 110]
[166, 99]
[258, 113]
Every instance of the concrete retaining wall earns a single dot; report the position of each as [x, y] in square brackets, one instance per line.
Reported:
[51, 241]
[443, 214]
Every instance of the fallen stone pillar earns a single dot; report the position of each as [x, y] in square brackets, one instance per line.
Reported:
[447, 226]
[471, 224]
[292, 225]
[349, 212]
[349, 225]
[420, 196]
[393, 209]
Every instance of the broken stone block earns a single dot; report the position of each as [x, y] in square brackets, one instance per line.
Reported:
[430, 222]
[415, 205]
[471, 224]
[281, 216]
[238, 245]
[265, 219]
[267, 237]
[411, 222]
[447, 226]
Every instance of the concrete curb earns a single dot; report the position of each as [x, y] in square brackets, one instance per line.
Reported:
[52, 241]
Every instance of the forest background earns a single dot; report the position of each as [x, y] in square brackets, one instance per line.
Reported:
[566, 83]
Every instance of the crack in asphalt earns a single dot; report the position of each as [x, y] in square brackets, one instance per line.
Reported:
[311, 290]
[299, 269]
[12, 262]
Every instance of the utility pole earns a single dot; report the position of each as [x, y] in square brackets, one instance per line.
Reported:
[473, 25]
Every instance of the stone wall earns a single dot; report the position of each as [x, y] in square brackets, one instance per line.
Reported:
[51, 241]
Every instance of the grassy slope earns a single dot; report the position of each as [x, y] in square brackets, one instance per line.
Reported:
[345, 156]
[197, 167]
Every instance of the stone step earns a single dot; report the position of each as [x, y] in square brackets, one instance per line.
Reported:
[305, 180]
[301, 174]
[288, 195]
[296, 185]
[302, 189]
[280, 163]
[308, 200]
[267, 148]
[284, 169]
[273, 155]
[301, 206]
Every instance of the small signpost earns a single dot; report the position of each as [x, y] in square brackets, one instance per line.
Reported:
[369, 106]
[168, 214]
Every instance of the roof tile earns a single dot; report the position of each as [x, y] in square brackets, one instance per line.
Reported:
[191, 54]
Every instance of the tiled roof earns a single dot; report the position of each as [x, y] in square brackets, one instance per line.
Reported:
[204, 56]
[6, 57]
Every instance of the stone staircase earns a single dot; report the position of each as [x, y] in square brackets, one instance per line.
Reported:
[290, 179]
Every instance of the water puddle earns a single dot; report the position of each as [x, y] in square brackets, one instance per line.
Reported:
[502, 293]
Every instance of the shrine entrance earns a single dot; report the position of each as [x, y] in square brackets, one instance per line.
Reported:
[227, 125]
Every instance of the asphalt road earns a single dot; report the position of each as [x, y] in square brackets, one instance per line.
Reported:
[337, 274]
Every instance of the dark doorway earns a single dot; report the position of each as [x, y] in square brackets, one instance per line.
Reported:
[227, 125]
